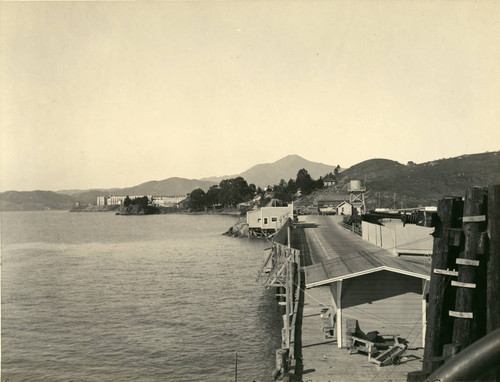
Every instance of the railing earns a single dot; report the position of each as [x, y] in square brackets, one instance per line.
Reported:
[352, 228]
[283, 263]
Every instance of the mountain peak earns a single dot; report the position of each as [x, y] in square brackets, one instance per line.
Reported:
[291, 156]
[285, 168]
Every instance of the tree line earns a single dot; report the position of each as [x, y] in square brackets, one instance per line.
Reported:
[230, 192]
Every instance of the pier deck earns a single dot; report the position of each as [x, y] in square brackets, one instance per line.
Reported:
[324, 361]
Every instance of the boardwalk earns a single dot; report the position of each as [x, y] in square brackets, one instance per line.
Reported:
[322, 359]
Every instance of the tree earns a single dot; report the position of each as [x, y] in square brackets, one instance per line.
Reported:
[197, 199]
[142, 202]
[304, 181]
[234, 191]
[127, 201]
[212, 196]
[319, 184]
[337, 170]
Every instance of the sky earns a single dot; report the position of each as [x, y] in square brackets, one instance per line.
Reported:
[114, 94]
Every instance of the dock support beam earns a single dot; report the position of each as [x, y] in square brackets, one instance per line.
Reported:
[339, 313]
[439, 326]
[466, 330]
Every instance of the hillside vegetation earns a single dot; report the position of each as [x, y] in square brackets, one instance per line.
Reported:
[388, 183]
[392, 184]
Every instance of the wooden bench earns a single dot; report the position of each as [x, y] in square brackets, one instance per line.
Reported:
[370, 347]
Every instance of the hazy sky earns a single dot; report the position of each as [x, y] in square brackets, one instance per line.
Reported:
[113, 94]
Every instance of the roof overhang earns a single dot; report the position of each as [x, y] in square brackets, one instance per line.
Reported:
[365, 272]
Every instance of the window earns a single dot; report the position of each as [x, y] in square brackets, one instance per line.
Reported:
[265, 220]
[273, 219]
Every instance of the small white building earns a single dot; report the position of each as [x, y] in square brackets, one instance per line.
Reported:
[269, 218]
[344, 208]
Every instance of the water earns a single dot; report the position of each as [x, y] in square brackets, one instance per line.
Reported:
[99, 297]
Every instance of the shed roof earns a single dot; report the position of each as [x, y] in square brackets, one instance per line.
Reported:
[358, 264]
[332, 198]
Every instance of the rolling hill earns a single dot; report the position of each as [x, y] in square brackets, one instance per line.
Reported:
[170, 186]
[34, 201]
[286, 168]
[392, 184]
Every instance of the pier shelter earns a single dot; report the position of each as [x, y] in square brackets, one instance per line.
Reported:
[382, 292]
[390, 301]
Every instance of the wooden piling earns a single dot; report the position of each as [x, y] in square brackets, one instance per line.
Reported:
[469, 322]
[493, 267]
[441, 296]
[493, 264]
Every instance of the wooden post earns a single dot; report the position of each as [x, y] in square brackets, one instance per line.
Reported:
[425, 285]
[468, 296]
[236, 367]
[439, 329]
[339, 313]
[493, 265]
[287, 306]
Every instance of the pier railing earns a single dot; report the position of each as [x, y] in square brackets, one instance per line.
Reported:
[281, 270]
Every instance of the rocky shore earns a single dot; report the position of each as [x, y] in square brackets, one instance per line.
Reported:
[239, 229]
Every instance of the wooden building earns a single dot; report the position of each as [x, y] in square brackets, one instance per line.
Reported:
[327, 204]
[269, 219]
[384, 293]
[344, 208]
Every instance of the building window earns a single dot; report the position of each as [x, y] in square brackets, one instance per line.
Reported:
[273, 219]
[265, 220]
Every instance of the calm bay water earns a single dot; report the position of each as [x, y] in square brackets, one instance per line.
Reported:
[100, 297]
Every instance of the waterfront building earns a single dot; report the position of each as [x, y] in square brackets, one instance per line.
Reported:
[269, 219]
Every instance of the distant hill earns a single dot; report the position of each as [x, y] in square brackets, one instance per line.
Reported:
[393, 184]
[166, 187]
[286, 168]
[170, 186]
[388, 182]
[40, 200]
[34, 201]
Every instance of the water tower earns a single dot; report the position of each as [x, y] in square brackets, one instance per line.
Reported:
[357, 196]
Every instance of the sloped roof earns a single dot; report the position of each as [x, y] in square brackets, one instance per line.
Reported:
[332, 198]
[358, 264]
